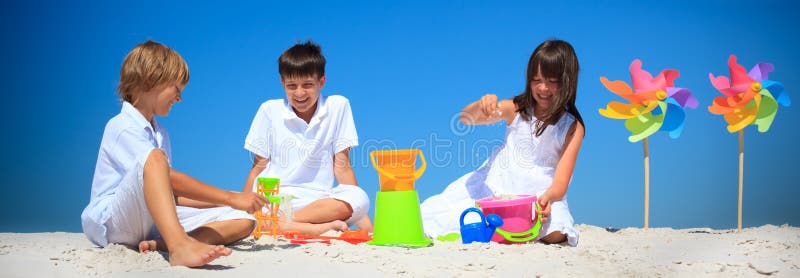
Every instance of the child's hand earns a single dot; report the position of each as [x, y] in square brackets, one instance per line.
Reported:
[489, 105]
[247, 201]
[544, 202]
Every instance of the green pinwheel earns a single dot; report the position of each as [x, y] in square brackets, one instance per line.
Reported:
[750, 98]
[655, 103]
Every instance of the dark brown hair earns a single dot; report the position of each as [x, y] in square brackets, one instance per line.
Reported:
[557, 60]
[302, 59]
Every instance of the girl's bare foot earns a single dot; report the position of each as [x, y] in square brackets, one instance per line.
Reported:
[193, 253]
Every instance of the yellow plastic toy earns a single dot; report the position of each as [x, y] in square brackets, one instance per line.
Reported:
[267, 217]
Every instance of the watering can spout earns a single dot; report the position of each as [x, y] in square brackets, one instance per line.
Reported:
[494, 221]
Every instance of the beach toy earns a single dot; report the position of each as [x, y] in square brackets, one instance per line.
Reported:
[396, 168]
[479, 231]
[750, 98]
[519, 223]
[449, 237]
[398, 221]
[655, 105]
[267, 217]
[350, 236]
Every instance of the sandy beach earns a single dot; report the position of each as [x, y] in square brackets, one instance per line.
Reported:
[762, 251]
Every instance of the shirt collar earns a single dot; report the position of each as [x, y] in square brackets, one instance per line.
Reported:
[138, 118]
[321, 112]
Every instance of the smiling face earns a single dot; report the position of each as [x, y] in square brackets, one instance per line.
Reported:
[167, 95]
[544, 90]
[302, 94]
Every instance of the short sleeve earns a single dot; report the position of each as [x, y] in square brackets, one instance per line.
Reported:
[132, 148]
[166, 146]
[257, 140]
[346, 136]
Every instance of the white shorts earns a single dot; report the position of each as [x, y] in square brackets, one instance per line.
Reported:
[130, 221]
[353, 195]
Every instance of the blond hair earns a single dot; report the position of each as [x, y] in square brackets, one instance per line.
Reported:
[148, 65]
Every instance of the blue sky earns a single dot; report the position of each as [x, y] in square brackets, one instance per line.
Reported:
[407, 69]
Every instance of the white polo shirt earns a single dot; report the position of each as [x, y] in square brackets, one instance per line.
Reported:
[127, 141]
[300, 153]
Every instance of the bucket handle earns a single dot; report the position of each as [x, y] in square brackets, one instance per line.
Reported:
[417, 173]
[526, 235]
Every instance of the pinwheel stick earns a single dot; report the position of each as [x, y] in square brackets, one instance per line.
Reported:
[647, 186]
[741, 179]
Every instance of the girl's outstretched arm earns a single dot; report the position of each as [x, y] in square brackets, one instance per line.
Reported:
[488, 110]
[564, 169]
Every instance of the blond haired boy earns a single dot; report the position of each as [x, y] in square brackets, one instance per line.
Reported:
[135, 190]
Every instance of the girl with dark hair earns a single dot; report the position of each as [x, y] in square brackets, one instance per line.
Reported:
[543, 136]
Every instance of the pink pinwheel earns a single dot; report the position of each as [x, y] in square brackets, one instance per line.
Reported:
[750, 98]
[655, 104]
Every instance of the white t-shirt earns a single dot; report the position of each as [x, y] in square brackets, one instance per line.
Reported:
[127, 141]
[300, 153]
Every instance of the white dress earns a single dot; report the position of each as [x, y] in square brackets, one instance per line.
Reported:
[524, 164]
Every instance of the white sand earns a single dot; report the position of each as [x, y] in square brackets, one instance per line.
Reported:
[766, 250]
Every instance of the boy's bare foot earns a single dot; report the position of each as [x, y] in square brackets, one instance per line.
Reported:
[365, 224]
[335, 225]
[147, 246]
[315, 229]
[194, 253]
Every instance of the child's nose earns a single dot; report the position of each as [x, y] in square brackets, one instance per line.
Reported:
[542, 86]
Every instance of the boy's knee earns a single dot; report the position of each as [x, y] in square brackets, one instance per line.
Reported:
[344, 209]
[243, 227]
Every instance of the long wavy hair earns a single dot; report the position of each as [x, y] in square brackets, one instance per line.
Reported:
[557, 60]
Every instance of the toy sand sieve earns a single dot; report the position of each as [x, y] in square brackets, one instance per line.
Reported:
[517, 214]
[268, 183]
[398, 221]
[396, 168]
[267, 217]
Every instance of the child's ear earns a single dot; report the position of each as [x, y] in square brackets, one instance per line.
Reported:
[282, 81]
[322, 81]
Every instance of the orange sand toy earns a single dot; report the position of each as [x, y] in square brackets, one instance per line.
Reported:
[267, 217]
[353, 237]
[396, 168]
